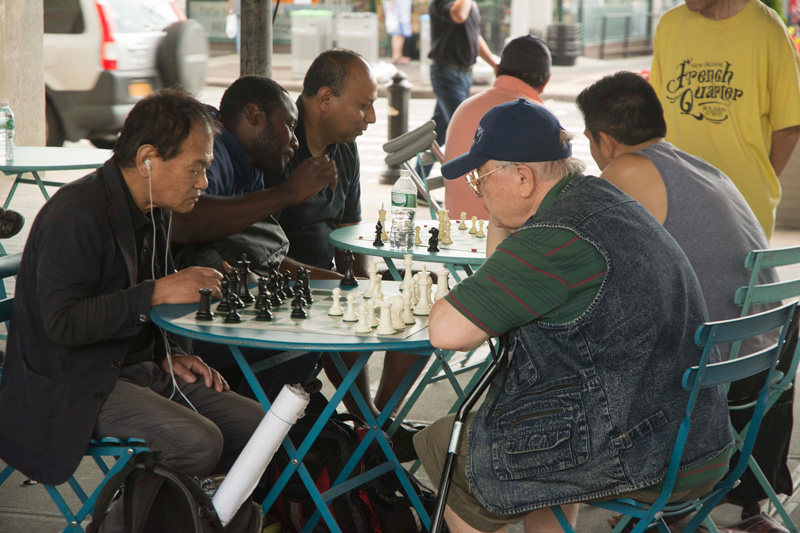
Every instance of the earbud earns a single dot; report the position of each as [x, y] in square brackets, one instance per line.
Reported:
[147, 164]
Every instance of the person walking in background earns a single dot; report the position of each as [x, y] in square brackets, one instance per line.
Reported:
[735, 106]
[456, 43]
[397, 15]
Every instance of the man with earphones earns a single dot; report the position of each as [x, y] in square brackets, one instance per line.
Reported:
[83, 359]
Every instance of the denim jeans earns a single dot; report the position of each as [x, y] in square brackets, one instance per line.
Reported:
[451, 87]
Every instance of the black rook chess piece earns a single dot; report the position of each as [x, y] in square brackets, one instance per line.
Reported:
[378, 231]
[204, 312]
[433, 242]
[349, 280]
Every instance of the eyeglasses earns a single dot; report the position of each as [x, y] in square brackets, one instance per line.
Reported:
[474, 180]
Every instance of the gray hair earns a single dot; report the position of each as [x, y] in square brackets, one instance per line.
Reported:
[554, 170]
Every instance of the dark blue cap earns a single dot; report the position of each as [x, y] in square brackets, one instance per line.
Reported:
[520, 131]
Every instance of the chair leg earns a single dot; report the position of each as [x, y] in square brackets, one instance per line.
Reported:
[7, 471]
[72, 523]
[773, 497]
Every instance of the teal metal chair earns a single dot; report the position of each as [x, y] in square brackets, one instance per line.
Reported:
[758, 293]
[121, 450]
[695, 379]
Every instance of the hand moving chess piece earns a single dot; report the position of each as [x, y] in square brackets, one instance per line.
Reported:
[433, 242]
[204, 312]
[336, 306]
[349, 279]
[378, 232]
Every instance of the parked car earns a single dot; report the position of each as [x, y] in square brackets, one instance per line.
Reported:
[102, 56]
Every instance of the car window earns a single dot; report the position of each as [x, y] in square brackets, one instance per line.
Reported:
[63, 16]
[142, 15]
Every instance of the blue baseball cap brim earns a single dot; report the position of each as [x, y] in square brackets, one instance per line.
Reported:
[519, 131]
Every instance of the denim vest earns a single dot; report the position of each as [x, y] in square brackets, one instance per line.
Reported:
[591, 408]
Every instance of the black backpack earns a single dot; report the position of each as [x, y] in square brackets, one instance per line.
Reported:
[155, 497]
[379, 506]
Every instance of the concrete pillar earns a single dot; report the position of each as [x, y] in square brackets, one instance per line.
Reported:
[22, 68]
[255, 58]
[527, 15]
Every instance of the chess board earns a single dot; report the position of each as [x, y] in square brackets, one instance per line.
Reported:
[463, 241]
[318, 320]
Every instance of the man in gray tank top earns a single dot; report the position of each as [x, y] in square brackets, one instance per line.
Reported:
[699, 206]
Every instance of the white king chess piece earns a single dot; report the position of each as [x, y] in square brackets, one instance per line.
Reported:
[423, 307]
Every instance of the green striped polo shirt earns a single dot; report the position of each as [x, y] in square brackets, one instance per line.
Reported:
[545, 274]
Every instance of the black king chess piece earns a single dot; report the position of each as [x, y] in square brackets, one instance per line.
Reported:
[349, 280]
[204, 312]
[378, 231]
[433, 242]
[243, 269]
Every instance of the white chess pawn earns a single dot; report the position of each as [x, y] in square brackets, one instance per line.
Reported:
[442, 287]
[336, 307]
[350, 315]
[463, 224]
[406, 314]
[423, 307]
[480, 234]
[385, 327]
[362, 326]
[473, 230]
[446, 239]
[417, 240]
[372, 320]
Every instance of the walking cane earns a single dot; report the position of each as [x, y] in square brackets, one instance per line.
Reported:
[499, 360]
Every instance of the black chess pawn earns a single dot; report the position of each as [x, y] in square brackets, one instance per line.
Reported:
[233, 316]
[433, 242]
[233, 284]
[286, 284]
[298, 306]
[349, 280]
[263, 293]
[273, 289]
[223, 306]
[264, 313]
[378, 231]
[204, 312]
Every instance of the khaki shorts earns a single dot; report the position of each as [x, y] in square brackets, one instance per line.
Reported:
[431, 445]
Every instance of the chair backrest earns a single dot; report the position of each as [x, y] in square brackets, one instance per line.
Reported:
[708, 374]
[756, 293]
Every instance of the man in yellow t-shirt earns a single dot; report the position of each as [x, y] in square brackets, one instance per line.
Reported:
[728, 76]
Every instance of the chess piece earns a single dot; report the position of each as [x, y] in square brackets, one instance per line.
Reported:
[286, 284]
[243, 269]
[446, 238]
[264, 313]
[377, 292]
[473, 230]
[433, 242]
[415, 292]
[408, 273]
[362, 326]
[372, 320]
[463, 222]
[378, 232]
[349, 280]
[273, 289]
[442, 289]
[233, 316]
[382, 220]
[480, 234]
[417, 240]
[397, 307]
[300, 287]
[204, 311]
[223, 307]
[423, 307]
[405, 313]
[385, 326]
[350, 313]
[262, 295]
[298, 306]
[336, 306]
[233, 281]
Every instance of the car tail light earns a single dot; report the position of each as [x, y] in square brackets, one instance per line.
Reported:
[108, 47]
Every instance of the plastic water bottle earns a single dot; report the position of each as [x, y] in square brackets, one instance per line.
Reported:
[6, 133]
[404, 209]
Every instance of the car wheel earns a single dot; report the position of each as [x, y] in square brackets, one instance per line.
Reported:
[54, 132]
[183, 56]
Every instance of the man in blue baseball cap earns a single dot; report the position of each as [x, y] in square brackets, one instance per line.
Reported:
[601, 306]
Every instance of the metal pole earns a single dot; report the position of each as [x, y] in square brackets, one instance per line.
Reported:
[256, 27]
[399, 95]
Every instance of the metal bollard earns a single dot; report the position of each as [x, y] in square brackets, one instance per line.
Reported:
[399, 91]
